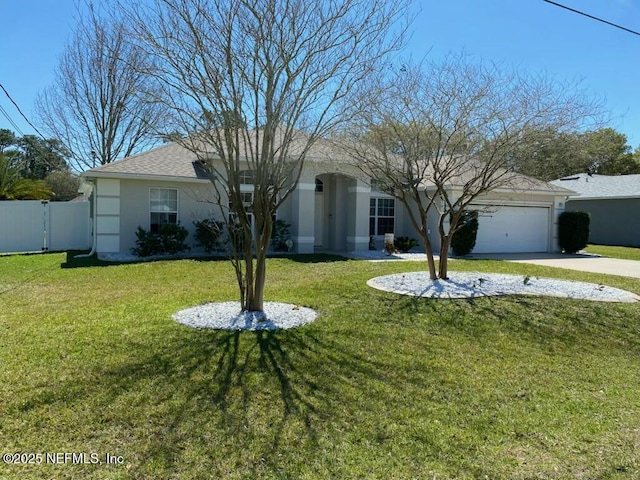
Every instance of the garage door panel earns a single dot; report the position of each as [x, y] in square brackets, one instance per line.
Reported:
[512, 229]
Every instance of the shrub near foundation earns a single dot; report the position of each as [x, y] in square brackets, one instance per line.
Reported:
[573, 231]
[209, 234]
[169, 240]
[464, 239]
[404, 244]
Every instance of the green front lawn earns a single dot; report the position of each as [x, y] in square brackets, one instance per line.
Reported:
[380, 386]
[626, 253]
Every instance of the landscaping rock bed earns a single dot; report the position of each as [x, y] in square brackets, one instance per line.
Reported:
[227, 316]
[477, 284]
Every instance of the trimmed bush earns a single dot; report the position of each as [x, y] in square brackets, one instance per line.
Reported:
[209, 234]
[464, 238]
[404, 244]
[147, 243]
[169, 240]
[173, 237]
[280, 235]
[573, 231]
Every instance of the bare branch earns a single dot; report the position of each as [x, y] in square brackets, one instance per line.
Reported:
[95, 106]
[442, 135]
[253, 84]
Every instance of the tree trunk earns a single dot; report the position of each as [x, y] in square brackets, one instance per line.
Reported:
[428, 249]
[262, 238]
[443, 269]
[257, 301]
[249, 274]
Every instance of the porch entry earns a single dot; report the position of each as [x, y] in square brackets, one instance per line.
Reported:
[341, 212]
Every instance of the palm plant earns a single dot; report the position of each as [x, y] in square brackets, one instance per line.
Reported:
[14, 187]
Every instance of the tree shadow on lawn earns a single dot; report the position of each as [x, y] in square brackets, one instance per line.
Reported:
[179, 401]
[213, 397]
[545, 321]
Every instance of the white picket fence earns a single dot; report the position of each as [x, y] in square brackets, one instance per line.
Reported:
[34, 225]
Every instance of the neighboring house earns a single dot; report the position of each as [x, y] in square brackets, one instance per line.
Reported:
[612, 201]
[333, 208]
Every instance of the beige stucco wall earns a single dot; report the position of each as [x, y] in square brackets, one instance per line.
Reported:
[134, 211]
[123, 205]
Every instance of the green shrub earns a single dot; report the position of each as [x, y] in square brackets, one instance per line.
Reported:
[209, 234]
[464, 238]
[173, 237]
[280, 235]
[169, 240]
[404, 244]
[573, 231]
[147, 243]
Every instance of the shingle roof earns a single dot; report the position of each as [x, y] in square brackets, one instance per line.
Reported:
[588, 187]
[171, 160]
[513, 182]
[175, 161]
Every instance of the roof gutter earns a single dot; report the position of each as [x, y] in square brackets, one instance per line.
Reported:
[138, 176]
[619, 197]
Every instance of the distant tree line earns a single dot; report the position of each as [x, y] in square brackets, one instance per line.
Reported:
[555, 154]
[32, 168]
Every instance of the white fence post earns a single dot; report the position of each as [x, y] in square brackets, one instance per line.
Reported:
[45, 225]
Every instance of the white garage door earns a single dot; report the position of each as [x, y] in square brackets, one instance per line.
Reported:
[512, 230]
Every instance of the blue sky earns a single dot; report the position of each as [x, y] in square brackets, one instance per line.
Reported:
[530, 35]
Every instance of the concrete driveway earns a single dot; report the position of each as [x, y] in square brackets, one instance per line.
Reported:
[581, 262]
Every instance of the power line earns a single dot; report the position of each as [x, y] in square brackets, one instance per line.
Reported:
[27, 120]
[20, 111]
[15, 126]
[593, 17]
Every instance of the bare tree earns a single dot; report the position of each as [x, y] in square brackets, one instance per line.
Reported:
[95, 105]
[252, 85]
[441, 135]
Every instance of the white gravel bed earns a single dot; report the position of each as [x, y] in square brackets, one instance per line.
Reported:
[476, 284]
[227, 316]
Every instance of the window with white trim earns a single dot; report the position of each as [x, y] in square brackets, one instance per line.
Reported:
[381, 216]
[247, 203]
[163, 207]
[246, 177]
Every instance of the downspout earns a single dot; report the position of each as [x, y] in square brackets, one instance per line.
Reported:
[94, 193]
